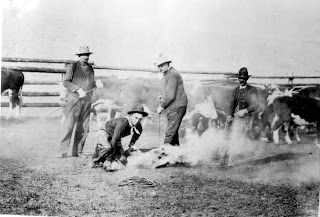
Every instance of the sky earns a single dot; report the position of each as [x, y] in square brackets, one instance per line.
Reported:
[269, 37]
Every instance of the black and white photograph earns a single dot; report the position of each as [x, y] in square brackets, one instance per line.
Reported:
[160, 108]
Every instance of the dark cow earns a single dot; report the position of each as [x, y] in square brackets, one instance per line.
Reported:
[199, 123]
[221, 95]
[309, 91]
[312, 91]
[296, 109]
[268, 114]
[12, 80]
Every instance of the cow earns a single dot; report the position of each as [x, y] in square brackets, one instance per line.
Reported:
[311, 91]
[268, 114]
[298, 110]
[127, 92]
[104, 110]
[12, 81]
[200, 119]
[222, 93]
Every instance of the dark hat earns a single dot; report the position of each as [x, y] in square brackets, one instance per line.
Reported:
[243, 73]
[138, 108]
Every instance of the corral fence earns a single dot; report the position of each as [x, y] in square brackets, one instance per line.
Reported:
[208, 76]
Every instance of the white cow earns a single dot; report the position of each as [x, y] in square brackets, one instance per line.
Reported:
[201, 117]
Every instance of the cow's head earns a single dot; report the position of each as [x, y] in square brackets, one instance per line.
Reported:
[15, 98]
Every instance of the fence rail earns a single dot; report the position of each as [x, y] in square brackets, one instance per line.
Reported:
[35, 60]
[135, 69]
[33, 104]
[62, 70]
[32, 82]
[36, 94]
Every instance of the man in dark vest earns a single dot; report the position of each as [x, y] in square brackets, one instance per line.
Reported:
[109, 147]
[244, 98]
[244, 101]
[79, 82]
[173, 99]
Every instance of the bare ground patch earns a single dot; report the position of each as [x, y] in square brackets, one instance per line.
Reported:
[34, 182]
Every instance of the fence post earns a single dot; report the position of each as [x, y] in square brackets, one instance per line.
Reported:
[62, 74]
[290, 80]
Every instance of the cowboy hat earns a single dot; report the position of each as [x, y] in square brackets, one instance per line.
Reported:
[162, 59]
[83, 50]
[138, 108]
[243, 73]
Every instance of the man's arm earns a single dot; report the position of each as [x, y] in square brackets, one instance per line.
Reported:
[169, 92]
[116, 138]
[253, 100]
[67, 83]
[135, 136]
[232, 102]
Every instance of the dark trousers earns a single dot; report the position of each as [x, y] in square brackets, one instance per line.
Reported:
[104, 151]
[78, 117]
[174, 121]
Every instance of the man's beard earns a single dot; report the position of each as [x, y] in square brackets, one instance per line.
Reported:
[243, 83]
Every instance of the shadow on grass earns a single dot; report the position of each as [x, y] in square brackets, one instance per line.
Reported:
[275, 158]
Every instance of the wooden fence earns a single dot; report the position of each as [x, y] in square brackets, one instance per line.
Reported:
[99, 67]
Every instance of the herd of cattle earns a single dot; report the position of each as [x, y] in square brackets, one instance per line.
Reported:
[279, 107]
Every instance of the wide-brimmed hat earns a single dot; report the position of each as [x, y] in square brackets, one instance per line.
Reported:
[83, 50]
[243, 73]
[138, 108]
[162, 59]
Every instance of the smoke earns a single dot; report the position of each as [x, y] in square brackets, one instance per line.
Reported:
[210, 146]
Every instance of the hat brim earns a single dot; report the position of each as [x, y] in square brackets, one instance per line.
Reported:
[158, 64]
[83, 53]
[244, 76]
[144, 114]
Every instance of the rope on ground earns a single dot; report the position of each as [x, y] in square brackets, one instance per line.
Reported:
[136, 180]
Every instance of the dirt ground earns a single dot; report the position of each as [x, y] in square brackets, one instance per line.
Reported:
[34, 182]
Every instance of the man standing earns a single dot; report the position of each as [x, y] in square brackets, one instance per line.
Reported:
[173, 99]
[244, 101]
[244, 98]
[79, 82]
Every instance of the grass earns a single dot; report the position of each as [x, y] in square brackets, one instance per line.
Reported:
[34, 182]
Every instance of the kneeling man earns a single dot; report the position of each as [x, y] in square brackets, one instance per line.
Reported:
[109, 147]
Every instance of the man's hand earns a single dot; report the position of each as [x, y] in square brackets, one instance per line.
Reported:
[229, 118]
[241, 113]
[81, 93]
[99, 84]
[132, 148]
[159, 110]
